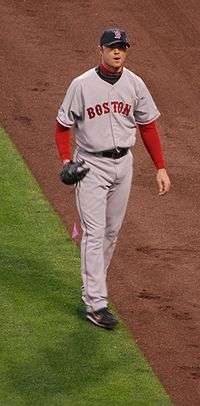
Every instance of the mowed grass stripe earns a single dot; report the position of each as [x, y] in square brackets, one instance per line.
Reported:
[49, 354]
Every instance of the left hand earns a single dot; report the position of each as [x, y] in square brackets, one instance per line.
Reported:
[163, 181]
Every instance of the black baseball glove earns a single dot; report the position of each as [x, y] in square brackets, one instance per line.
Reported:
[73, 172]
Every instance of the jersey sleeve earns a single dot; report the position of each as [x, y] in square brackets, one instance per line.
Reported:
[70, 109]
[145, 110]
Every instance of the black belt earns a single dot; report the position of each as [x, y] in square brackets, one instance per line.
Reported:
[112, 153]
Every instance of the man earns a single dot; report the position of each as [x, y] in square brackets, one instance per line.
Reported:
[105, 105]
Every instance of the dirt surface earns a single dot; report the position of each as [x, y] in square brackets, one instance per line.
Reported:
[154, 279]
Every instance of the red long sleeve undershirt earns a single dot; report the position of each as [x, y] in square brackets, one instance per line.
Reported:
[63, 141]
[149, 134]
[151, 139]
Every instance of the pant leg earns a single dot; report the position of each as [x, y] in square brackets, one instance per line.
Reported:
[91, 199]
[117, 200]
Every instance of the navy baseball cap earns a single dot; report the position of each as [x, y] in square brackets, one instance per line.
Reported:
[114, 36]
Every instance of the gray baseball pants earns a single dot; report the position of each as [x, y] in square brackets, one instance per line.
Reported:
[101, 199]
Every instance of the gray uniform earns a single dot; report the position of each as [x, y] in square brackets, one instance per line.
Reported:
[103, 117]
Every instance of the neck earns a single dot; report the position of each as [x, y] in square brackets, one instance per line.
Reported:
[109, 69]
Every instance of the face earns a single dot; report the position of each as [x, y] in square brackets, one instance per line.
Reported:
[114, 56]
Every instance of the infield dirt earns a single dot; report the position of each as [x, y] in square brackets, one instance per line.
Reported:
[154, 279]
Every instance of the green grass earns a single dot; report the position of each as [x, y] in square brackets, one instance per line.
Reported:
[49, 355]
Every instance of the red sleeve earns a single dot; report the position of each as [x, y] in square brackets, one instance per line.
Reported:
[151, 139]
[63, 137]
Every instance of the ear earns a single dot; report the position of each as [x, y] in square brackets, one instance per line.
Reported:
[100, 49]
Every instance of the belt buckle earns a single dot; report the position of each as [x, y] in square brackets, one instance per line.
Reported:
[116, 152]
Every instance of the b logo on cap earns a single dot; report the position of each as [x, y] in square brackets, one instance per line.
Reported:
[117, 34]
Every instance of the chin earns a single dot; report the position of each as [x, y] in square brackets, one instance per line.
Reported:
[117, 67]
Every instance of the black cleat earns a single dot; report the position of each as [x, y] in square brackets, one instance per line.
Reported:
[102, 318]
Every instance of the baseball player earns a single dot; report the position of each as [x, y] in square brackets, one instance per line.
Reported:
[104, 106]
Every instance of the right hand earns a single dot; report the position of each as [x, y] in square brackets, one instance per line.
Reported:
[73, 172]
[66, 161]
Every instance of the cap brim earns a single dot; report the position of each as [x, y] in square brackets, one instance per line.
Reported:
[117, 42]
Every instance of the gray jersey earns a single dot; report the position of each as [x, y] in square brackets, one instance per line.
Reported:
[103, 115]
